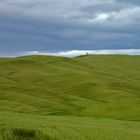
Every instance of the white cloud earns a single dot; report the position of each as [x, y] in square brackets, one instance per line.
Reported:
[73, 53]
[101, 17]
[126, 16]
[121, 17]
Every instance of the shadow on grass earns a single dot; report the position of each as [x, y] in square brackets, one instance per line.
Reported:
[25, 134]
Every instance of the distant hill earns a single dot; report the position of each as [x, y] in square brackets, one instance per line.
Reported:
[105, 86]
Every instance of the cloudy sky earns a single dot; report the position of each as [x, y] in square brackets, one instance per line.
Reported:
[45, 26]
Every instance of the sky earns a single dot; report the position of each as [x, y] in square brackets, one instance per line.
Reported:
[69, 27]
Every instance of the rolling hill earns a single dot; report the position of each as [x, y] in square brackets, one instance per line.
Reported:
[70, 98]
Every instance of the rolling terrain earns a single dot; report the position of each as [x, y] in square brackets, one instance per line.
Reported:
[83, 98]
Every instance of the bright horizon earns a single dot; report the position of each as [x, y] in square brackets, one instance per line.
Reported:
[73, 53]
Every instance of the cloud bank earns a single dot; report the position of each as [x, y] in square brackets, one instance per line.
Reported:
[58, 25]
[74, 53]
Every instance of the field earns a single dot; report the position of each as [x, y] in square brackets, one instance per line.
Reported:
[94, 97]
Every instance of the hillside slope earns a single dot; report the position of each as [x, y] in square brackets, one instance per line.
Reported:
[100, 86]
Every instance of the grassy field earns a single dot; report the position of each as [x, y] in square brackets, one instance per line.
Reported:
[25, 127]
[95, 97]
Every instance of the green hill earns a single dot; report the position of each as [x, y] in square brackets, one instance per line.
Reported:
[97, 89]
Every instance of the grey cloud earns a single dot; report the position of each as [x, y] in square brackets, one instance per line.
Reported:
[134, 2]
[69, 24]
[74, 10]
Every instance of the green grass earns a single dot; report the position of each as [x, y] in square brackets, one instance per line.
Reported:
[18, 127]
[83, 98]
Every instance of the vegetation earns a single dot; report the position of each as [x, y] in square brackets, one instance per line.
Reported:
[83, 98]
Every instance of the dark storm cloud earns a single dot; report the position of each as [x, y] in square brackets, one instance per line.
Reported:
[53, 25]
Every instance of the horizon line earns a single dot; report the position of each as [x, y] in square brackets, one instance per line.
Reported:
[74, 53]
